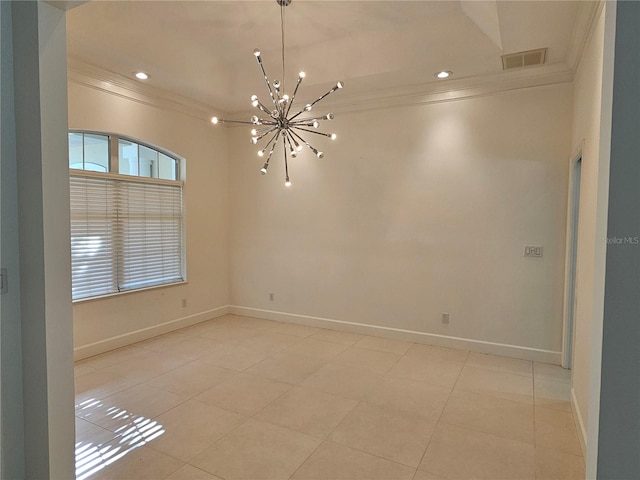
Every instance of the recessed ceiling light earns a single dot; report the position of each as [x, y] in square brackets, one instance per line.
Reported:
[443, 74]
[141, 75]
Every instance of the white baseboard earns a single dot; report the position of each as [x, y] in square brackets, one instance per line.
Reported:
[577, 418]
[112, 343]
[515, 351]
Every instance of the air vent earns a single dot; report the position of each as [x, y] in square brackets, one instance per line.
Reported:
[524, 59]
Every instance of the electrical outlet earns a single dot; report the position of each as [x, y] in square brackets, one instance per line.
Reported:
[184, 302]
[445, 317]
[271, 297]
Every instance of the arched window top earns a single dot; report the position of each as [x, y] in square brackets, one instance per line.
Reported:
[113, 153]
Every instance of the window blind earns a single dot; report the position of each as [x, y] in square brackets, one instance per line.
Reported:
[150, 217]
[94, 216]
[124, 235]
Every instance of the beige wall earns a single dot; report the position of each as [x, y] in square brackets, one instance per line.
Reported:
[591, 239]
[415, 211]
[106, 323]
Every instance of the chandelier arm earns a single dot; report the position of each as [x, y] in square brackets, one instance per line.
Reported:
[309, 121]
[293, 142]
[263, 108]
[273, 146]
[264, 129]
[263, 121]
[266, 79]
[294, 95]
[337, 87]
[288, 140]
[261, 136]
[268, 144]
[220, 120]
[313, 131]
[328, 116]
[314, 150]
[298, 114]
[304, 123]
[286, 165]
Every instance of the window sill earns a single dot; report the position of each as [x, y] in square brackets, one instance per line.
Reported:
[128, 292]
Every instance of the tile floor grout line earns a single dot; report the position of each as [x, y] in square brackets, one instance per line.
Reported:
[395, 363]
[378, 456]
[497, 370]
[305, 460]
[442, 412]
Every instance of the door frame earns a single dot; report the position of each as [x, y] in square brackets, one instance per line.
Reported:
[571, 252]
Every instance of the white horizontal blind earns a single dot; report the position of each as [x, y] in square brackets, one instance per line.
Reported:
[150, 221]
[93, 228]
[124, 235]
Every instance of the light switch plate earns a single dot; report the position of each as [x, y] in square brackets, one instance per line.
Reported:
[532, 251]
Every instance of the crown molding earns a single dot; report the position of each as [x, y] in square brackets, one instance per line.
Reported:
[583, 30]
[419, 94]
[90, 76]
[447, 91]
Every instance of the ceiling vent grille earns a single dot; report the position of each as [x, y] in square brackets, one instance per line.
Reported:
[524, 59]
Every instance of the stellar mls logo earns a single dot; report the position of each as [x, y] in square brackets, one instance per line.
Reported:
[623, 240]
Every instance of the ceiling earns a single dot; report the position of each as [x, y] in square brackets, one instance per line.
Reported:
[202, 50]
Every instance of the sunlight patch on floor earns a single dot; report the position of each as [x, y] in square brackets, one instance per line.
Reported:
[134, 431]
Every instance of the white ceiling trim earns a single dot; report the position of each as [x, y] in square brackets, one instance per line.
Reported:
[583, 29]
[94, 77]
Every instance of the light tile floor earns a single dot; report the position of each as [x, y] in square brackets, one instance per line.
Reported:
[244, 398]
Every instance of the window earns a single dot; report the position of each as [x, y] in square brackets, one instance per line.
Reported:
[126, 215]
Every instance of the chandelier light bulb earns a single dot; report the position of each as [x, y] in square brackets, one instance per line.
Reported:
[320, 155]
[285, 97]
[329, 116]
[256, 52]
[254, 140]
[299, 148]
[261, 153]
[333, 136]
[255, 103]
[254, 97]
[254, 132]
[276, 83]
[263, 170]
[302, 75]
[255, 119]
[293, 154]
[340, 84]
[214, 120]
[315, 124]
[287, 182]
[308, 107]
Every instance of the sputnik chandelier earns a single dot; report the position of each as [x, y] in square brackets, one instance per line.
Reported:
[279, 123]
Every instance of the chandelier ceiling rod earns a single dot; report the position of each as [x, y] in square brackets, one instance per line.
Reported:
[278, 121]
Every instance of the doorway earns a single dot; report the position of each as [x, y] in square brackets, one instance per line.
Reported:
[571, 261]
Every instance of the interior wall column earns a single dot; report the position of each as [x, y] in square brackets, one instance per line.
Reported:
[40, 96]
